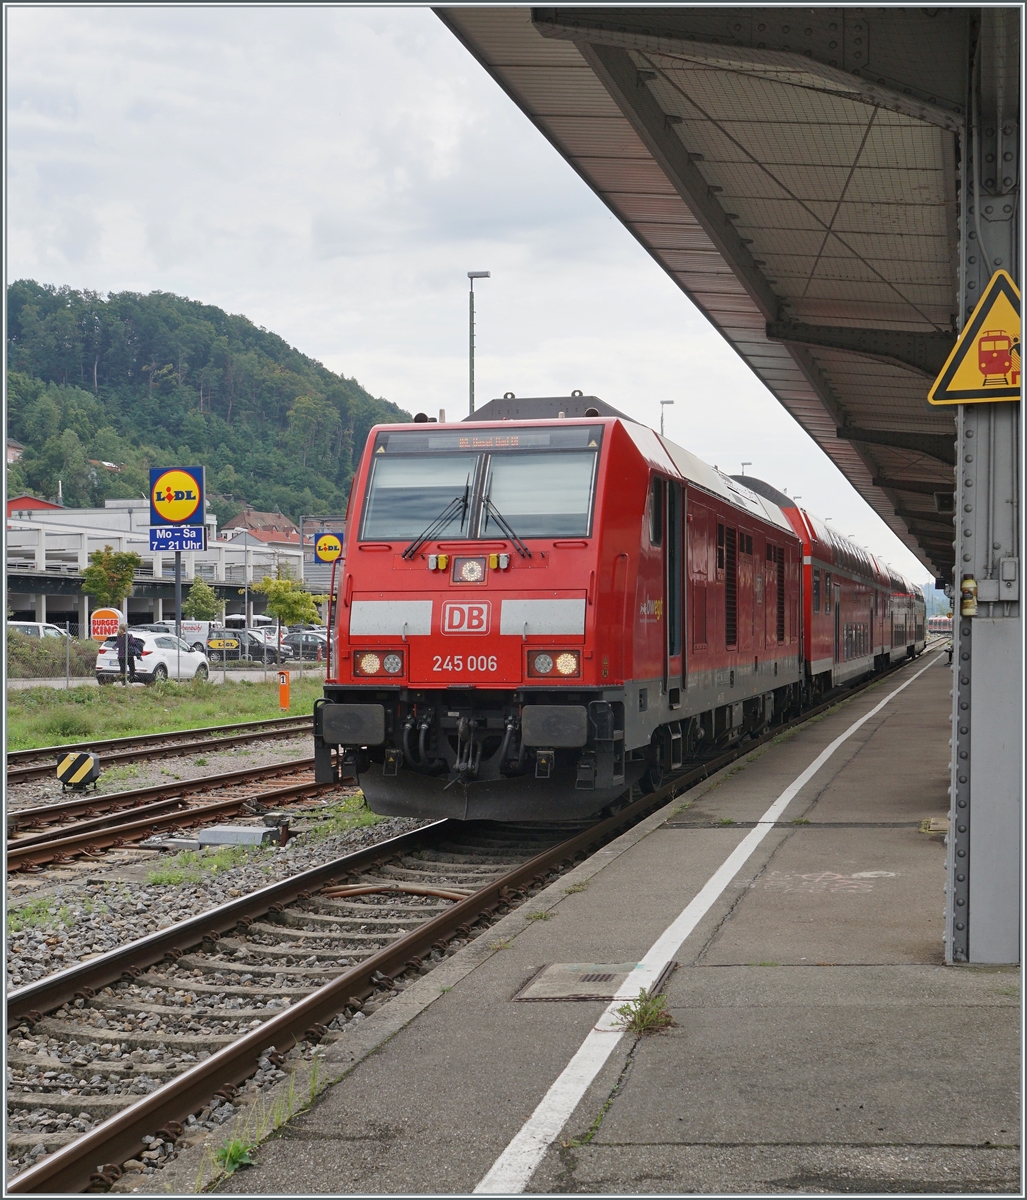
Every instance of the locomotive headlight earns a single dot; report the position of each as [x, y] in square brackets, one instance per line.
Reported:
[393, 664]
[542, 663]
[368, 664]
[567, 663]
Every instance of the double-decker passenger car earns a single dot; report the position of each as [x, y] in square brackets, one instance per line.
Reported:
[536, 613]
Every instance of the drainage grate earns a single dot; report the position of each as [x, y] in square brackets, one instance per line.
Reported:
[582, 981]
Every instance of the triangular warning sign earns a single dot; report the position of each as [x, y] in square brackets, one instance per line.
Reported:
[985, 363]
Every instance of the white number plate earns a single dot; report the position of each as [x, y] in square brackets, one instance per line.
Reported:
[480, 663]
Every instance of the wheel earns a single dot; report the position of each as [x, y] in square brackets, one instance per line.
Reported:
[199, 647]
[104, 680]
[160, 673]
[201, 671]
[215, 656]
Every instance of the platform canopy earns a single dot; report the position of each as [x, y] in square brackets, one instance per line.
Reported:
[795, 172]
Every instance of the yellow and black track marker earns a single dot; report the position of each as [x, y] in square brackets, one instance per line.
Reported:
[79, 769]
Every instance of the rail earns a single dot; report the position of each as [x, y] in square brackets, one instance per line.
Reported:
[74, 1167]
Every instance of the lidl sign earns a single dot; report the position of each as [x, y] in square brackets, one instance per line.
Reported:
[176, 496]
[327, 547]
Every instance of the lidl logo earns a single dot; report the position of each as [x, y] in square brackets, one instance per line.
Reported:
[176, 494]
[327, 547]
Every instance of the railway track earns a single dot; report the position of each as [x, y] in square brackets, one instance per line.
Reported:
[245, 983]
[23, 765]
[53, 833]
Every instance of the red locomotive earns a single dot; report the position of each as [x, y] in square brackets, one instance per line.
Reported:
[548, 603]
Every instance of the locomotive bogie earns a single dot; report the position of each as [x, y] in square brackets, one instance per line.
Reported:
[534, 616]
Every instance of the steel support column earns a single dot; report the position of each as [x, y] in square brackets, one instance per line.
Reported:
[984, 882]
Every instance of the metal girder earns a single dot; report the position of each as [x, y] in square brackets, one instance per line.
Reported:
[936, 521]
[912, 61]
[919, 486]
[983, 888]
[924, 353]
[935, 445]
[617, 70]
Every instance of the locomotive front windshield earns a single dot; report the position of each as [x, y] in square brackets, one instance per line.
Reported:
[541, 482]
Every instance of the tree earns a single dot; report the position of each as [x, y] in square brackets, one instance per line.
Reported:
[202, 603]
[109, 576]
[287, 601]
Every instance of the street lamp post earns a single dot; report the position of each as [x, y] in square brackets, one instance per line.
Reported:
[472, 276]
[744, 465]
[663, 405]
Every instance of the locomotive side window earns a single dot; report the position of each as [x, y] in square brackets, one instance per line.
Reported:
[656, 512]
[827, 591]
[720, 547]
[816, 590]
[730, 588]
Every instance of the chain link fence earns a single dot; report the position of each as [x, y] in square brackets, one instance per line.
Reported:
[50, 660]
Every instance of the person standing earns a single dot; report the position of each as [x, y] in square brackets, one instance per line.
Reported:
[126, 654]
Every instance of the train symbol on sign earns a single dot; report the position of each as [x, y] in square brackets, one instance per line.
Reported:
[998, 358]
[473, 617]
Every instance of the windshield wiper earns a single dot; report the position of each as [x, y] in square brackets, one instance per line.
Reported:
[457, 505]
[504, 524]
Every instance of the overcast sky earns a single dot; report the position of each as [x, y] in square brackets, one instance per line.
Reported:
[333, 173]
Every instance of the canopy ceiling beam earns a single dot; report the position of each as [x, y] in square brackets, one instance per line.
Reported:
[924, 353]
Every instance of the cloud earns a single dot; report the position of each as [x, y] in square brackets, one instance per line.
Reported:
[333, 173]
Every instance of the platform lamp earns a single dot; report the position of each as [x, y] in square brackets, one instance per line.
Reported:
[472, 276]
[663, 405]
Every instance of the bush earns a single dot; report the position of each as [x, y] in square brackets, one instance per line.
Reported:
[44, 658]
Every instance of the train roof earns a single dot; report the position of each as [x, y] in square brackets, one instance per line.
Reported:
[544, 408]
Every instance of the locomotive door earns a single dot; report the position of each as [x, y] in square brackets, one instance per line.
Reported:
[673, 543]
[699, 550]
[837, 623]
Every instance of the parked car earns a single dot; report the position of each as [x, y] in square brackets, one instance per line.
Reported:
[308, 645]
[36, 629]
[229, 644]
[192, 631]
[163, 656]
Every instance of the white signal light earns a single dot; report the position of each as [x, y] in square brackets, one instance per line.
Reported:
[543, 664]
[370, 664]
[567, 663]
[393, 664]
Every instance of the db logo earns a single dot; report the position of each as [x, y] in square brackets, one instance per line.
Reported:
[175, 496]
[466, 618]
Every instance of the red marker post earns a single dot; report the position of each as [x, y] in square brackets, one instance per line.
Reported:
[283, 690]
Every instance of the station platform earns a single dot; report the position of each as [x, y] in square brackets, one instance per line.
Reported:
[819, 1042]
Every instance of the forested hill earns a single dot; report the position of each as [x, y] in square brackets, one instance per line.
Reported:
[102, 387]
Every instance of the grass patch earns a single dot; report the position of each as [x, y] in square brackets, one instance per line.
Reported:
[540, 915]
[35, 914]
[801, 821]
[234, 1154]
[726, 821]
[646, 1014]
[50, 716]
[502, 944]
[577, 887]
[191, 866]
[351, 813]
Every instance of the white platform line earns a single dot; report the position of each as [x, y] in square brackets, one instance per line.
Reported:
[513, 1169]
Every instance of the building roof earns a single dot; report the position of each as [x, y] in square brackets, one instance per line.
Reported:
[251, 519]
[800, 188]
[269, 536]
[29, 504]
